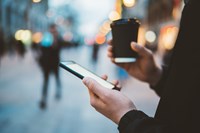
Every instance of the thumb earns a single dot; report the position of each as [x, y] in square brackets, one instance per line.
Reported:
[142, 51]
[94, 86]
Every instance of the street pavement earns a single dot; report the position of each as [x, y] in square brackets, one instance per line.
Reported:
[20, 92]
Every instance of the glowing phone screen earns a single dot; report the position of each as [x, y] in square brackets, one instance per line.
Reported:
[85, 73]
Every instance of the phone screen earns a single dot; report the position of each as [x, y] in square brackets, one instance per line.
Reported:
[81, 72]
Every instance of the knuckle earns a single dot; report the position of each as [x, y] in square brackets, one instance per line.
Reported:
[90, 84]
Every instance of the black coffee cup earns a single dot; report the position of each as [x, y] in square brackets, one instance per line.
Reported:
[124, 31]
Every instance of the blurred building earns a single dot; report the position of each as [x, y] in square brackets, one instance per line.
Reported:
[22, 14]
[67, 20]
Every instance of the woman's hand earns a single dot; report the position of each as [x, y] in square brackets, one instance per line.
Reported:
[111, 103]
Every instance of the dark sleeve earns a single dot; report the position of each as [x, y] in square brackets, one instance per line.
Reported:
[189, 24]
[158, 88]
[138, 122]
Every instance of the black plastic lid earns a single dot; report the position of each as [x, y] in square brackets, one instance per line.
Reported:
[125, 21]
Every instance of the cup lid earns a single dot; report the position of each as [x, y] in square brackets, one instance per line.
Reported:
[125, 21]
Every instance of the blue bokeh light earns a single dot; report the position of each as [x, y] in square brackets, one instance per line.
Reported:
[47, 40]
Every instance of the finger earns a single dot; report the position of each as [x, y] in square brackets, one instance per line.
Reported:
[110, 48]
[113, 60]
[140, 49]
[110, 42]
[109, 52]
[95, 101]
[105, 77]
[95, 87]
[92, 95]
[110, 55]
[115, 82]
[119, 86]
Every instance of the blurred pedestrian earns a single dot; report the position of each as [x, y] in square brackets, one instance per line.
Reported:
[178, 85]
[95, 50]
[20, 48]
[2, 44]
[49, 60]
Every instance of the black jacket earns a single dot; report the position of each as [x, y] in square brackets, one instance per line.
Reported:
[179, 89]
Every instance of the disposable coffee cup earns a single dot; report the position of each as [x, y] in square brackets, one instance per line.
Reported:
[124, 31]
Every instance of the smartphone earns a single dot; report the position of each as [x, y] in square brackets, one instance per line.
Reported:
[82, 72]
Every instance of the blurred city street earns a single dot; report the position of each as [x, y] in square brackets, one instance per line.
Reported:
[35, 35]
[20, 92]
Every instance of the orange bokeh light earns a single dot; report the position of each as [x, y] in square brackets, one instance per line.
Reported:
[100, 39]
[37, 37]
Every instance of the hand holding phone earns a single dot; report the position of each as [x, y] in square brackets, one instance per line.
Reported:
[82, 72]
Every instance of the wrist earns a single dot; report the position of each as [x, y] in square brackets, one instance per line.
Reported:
[121, 115]
[124, 111]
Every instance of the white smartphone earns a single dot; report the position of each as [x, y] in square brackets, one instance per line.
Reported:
[82, 72]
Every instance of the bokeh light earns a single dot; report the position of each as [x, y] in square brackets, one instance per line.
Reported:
[68, 36]
[168, 36]
[129, 3]
[47, 39]
[150, 36]
[105, 28]
[114, 15]
[141, 35]
[18, 35]
[24, 36]
[37, 37]
[100, 39]
[89, 41]
[37, 1]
